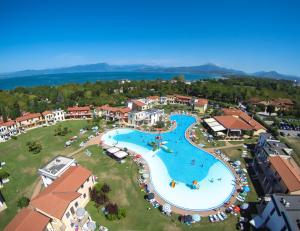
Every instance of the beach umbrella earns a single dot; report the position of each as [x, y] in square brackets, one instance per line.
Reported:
[238, 163]
[91, 225]
[167, 208]
[150, 196]
[196, 217]
[237, 209]
[195, 182]
[245, 206]
[188, 219]
[246, 189]
[138, 156]
[80, 212]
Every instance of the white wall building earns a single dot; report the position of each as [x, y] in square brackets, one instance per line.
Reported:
[149, 117]
[8, 129]
[55, 168]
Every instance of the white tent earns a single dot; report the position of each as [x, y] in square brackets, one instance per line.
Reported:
[120, 154]
[113, 150]
[166, 208]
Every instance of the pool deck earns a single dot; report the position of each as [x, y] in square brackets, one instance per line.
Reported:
[160, 200]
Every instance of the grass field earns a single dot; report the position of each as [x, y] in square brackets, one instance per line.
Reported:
[294, 143]
[23, 165]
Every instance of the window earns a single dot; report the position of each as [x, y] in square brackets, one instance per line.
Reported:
[82, 185]
[88, 179]
[76, 204]
[84, 195]
[72, 210]
[67, 214]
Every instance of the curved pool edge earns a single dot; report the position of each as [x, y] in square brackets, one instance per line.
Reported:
[163, 198]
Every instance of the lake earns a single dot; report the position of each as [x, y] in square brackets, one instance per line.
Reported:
[59, 79]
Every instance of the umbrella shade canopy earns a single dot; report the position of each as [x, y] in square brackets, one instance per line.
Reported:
[245, 206]
[246, 189]
[138, 156]
[166, 208]
[237, 209]
[237, 162]
[80, 212]
[188, 219]
[196, 217]
[150, 196]
[91, 225]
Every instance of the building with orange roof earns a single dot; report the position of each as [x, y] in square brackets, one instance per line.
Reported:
[51, 117]
[77, 112]
[29, 120]
[200, 105]
[113, 113]
[31, 220]
[57, 206]
[182, 99]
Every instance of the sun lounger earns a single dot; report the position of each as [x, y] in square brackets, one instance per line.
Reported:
[211, 219]
[224, 215]
[219, 216]
[216, 217]
[241, 199]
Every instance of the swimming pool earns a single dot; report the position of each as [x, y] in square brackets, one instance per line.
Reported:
[184, 165]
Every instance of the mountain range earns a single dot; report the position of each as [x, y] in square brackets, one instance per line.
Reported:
[209, 68]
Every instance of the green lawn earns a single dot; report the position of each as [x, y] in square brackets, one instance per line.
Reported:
[23, 165]
[294, 143]
[126, 193]
[200, 139]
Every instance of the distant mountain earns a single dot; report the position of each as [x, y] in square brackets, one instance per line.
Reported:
[209, 68]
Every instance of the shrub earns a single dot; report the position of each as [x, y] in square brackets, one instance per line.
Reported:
[105, 188]
[3, 174]
[59, 131]
[121, 213]
[23, 202]
[14, 137]
[98, 197]
[34, 147]
[112, 208]
[97, 187]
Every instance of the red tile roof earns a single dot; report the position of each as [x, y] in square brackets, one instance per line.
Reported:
[182, 97]
[243, 116]
[115, 109]
[153, 97]
[28, 116]
[76, 108]
[201, 102]
[55, 199]
[46, 113]
[8, 123]
[232, 122]
[28, 220]
[288, 171]
[138, 103]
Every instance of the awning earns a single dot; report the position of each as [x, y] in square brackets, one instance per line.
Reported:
[218, 128]
[120, 154]
[113, 150]
[209, 120]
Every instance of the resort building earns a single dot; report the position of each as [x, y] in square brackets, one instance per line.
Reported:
[236, 124]
[200, 105]
[149, 117]
[139, 104]
[55, 168]
[113, 113]
[276, 171]
[281, 213]
[281, 104]
[60, 206]
[154, 100]
[29, 120]
[171, 99]
[29, 219]
[181, 99]
[2, 203]
[7, 130]
[79, 112]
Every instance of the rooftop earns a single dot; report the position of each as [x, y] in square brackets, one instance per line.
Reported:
[288, 206]
[76, 108]
[28, 116]
[57, 164]
[274, 147]
[28, 219]
[232, 122]
[55, 199]
[288, 170]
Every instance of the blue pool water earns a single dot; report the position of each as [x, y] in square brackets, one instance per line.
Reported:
[184, 165]
[187, 163]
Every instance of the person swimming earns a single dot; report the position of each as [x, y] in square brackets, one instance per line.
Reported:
[219, 179]
[193, 162]
[211, 180]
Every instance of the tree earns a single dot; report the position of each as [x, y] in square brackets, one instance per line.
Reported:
[3, 113]
[3, 174]
[23, 202]
[34, 147]
[270, 109]
[105, 188]
[16, 111]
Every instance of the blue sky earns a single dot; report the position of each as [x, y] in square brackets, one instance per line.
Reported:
[247, 35]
